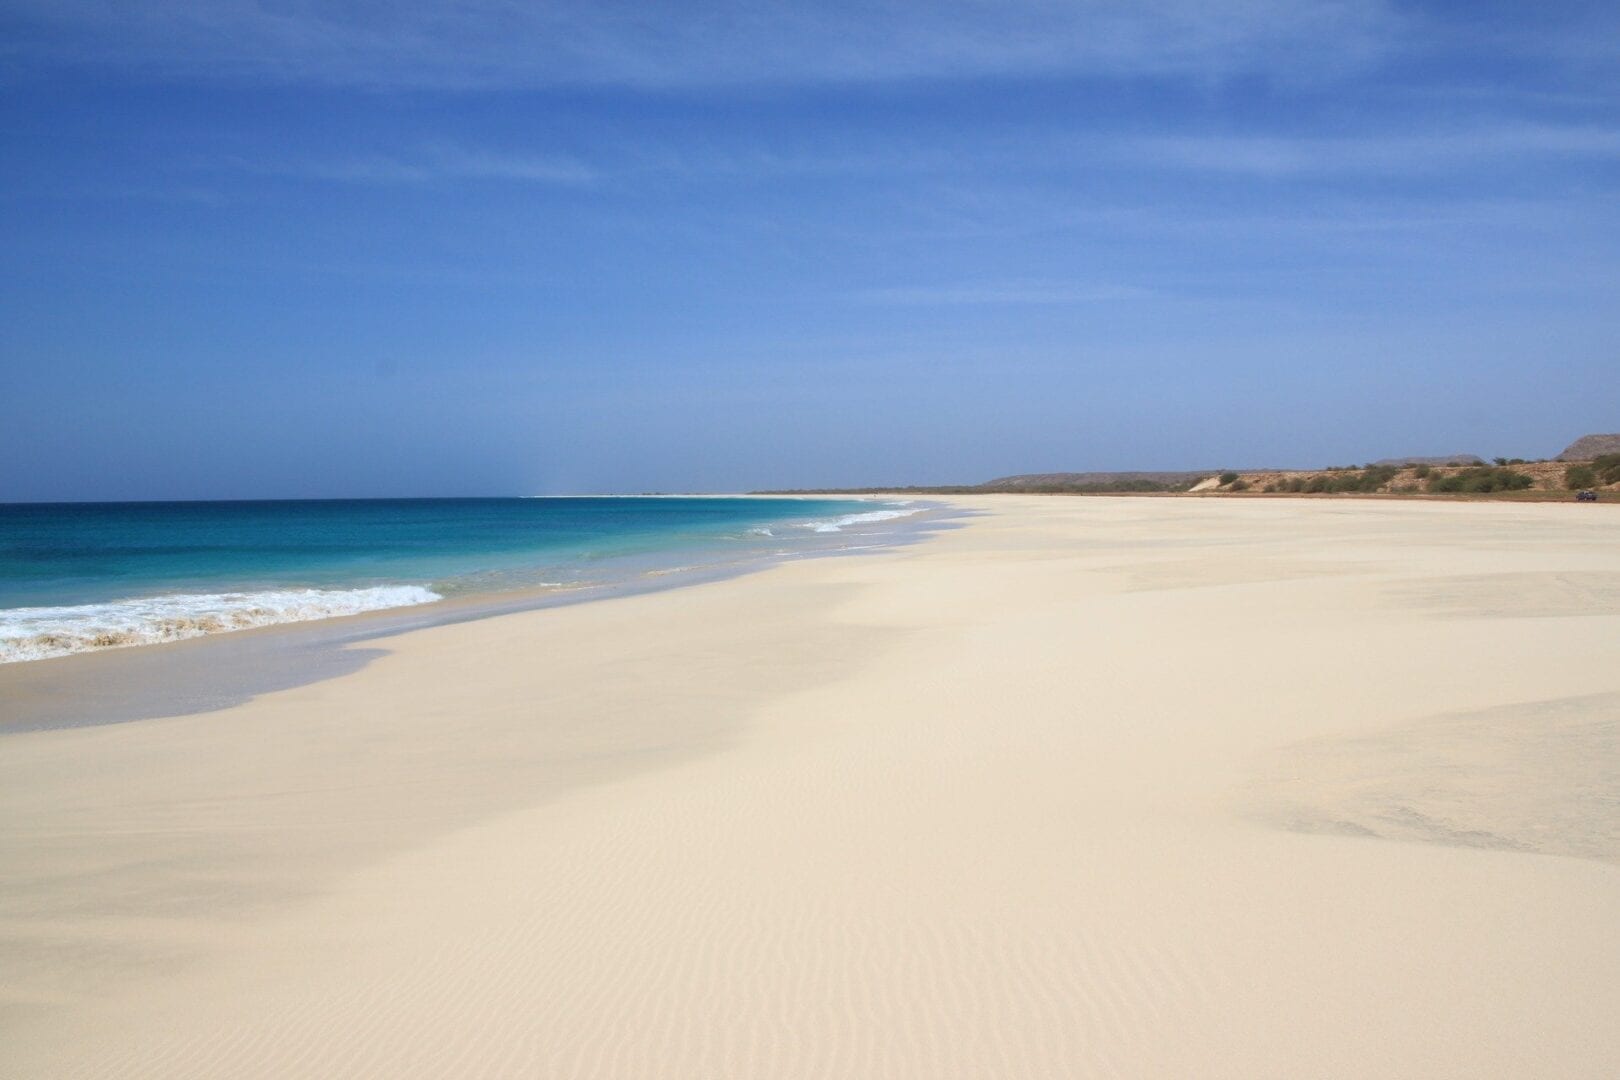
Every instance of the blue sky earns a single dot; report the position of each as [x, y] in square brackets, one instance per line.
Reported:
[304, 248]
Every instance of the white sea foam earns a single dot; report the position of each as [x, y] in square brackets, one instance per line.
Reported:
[871, 516]
[37, 633]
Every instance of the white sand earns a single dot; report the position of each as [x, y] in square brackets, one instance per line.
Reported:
[1092, 787]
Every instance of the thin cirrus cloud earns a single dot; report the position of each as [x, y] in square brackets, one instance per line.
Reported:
[1381, 153]
[1260, 156]
[501, 43]
[430, 166]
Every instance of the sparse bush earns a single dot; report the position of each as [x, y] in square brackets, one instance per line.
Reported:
[1339, 481]
[1238, 485]
[1481, 480]
[1104, 487]
[1374, 477]
[1422, 472]
[1577, 477]
[1607, 468]
[1227, 478]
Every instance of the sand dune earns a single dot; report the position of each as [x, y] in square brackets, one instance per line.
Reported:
[1089, 787]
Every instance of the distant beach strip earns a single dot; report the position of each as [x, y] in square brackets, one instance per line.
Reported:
[82, 577]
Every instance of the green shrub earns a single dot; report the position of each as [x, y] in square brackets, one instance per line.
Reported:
[1607, 468]
[1481, 481]
[1577, 477]
[1422, 472]
[1227, 477]
[1374, 477]
[1343, 481]
[1238, 485]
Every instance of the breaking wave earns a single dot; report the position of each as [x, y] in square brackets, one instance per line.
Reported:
[838, 524]
[41, 632]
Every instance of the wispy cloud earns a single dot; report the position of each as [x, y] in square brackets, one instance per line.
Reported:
[507, 43]
[992, 162]
[1380, 153]
[442, 163]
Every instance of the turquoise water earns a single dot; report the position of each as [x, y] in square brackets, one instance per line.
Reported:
[81, 576]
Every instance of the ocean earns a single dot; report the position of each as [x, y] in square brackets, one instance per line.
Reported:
[76, 577]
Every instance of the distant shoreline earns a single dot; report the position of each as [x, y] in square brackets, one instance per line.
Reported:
[1604, 496]
[1590, 464]
[1510, 480]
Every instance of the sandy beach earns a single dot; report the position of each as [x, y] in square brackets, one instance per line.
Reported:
[1087, 787]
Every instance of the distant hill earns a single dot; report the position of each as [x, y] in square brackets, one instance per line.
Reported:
[1588, 447]
[1443, 473]
[1444, 459]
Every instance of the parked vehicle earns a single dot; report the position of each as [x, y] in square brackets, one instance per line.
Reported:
[1586, 496]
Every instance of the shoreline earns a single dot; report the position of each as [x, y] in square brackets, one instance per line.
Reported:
[215, 671]
[1317, 788]
[1611, 498]
[77, 612]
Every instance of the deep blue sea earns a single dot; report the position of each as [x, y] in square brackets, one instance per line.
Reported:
[81, 576]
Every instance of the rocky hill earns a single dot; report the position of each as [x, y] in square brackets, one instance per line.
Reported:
[1588, 447]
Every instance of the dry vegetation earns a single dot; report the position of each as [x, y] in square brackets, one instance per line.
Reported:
[1528, 479]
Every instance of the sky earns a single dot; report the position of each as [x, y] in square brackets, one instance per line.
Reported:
[314, 249]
